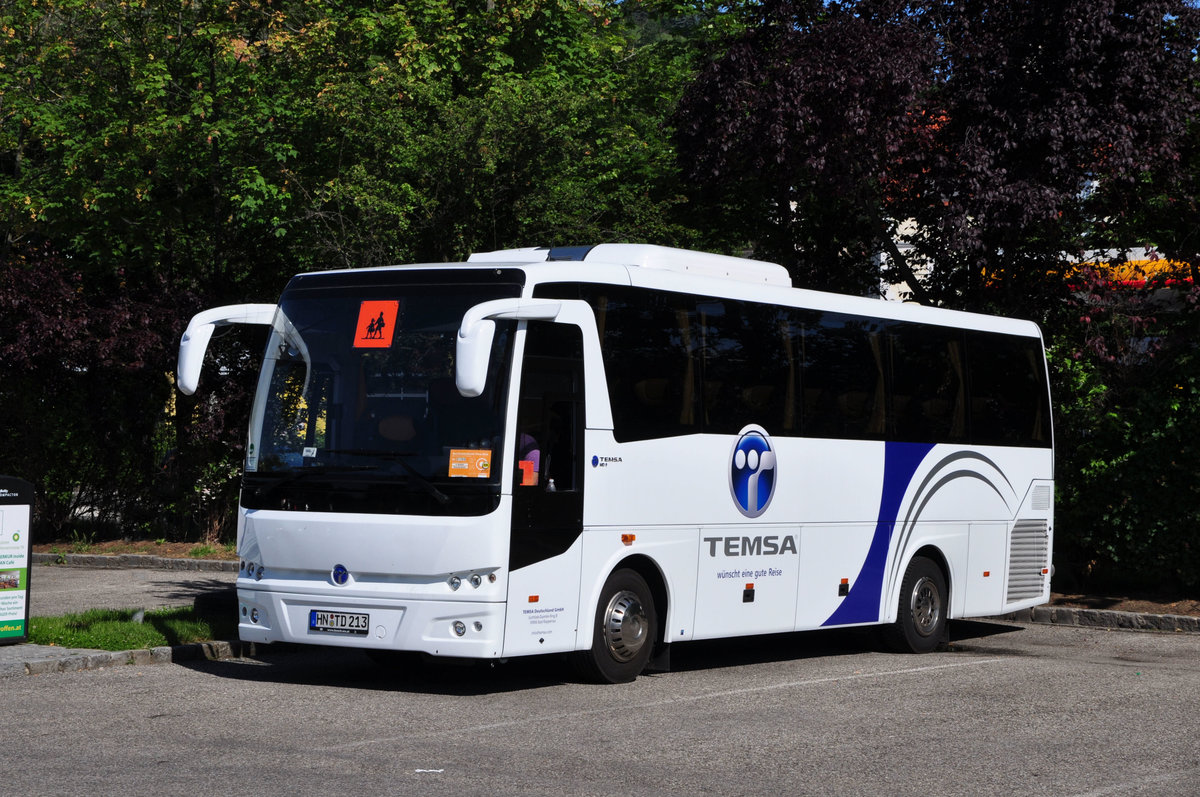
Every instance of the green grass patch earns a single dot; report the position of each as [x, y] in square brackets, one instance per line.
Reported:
[116, 629]
[82, 542]
[207, 551]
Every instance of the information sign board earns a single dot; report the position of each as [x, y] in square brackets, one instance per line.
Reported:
[16, 517]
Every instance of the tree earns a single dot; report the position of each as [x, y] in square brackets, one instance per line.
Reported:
[74, 387]
[808, 125]
[1128, 395]
[1046, 107]
[159, 157]
[985, 126]
[524, 122]
[996, 142]
[131, 195]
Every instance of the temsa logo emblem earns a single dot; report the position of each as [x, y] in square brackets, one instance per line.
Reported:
[752, 471]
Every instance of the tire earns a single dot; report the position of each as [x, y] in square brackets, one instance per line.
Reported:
[920, 625]
[624, 632]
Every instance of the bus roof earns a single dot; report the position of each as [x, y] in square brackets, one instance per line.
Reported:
[649, 256]
[680, 270]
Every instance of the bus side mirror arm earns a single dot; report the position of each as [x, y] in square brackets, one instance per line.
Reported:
[199, 332]
[473, 347]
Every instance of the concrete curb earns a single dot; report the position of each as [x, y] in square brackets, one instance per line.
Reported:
[45, 659]
[30, 659]
[1103, 618]
[126, 561]
[27, 659]
[42, 659]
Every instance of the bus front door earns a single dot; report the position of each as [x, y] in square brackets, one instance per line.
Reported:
[547, 517]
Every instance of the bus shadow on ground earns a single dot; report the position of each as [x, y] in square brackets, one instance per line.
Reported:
[352, 669]
[770, 648]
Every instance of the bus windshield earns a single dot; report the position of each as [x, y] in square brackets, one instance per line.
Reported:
[356, 408]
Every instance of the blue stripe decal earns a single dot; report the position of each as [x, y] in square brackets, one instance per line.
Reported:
[900, 462]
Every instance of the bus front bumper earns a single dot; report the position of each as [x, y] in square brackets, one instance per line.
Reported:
[461, 629]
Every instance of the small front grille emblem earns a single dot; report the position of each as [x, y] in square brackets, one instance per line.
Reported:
[340, 575]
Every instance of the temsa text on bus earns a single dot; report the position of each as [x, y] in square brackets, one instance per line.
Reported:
[752, 546]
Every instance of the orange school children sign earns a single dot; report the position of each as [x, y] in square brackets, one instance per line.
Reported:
[376, 325]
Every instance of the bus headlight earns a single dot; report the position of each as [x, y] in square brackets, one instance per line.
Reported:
[455, 582]
[460, 628]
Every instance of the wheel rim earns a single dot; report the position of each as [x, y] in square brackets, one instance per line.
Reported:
[926, 606]
[625, 625]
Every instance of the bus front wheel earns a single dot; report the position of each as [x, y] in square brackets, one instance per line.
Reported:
[624, 631]
[920, 625]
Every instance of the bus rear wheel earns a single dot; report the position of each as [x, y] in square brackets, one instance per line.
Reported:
[920, 625]
[624, 631]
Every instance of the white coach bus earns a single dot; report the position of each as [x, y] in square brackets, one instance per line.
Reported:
[605, 450]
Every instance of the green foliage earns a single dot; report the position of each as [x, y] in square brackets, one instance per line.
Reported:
[208, 551]
[117, 629]
[974, 131]
[996, 140]
[82, 541]
[1128, 402]
[158, 157]
[539, 124]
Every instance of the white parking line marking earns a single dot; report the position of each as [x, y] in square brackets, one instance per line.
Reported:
[854, 676]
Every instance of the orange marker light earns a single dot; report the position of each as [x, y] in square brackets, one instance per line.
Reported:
[533, 598]
[749, 586]
[987, 573]
[627, 539]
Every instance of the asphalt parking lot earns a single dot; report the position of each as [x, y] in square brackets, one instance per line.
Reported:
[1009, 709]
[55, 590]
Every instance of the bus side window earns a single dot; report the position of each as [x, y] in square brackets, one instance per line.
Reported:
[843, 378]
[1008, 391]
[929, 402]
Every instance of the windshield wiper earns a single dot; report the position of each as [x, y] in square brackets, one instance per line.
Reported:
[399, 457]
[270, 483]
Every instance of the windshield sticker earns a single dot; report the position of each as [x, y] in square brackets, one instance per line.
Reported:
[470, 463]
[376, 324]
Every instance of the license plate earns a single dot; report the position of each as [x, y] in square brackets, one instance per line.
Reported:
[338, 622]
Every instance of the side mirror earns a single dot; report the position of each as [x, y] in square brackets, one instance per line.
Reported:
[473, 348]
[199, 331]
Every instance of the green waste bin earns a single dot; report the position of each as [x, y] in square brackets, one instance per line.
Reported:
[16, 518]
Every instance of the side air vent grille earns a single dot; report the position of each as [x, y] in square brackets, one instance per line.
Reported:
[1041, 498]
[1028, 556]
